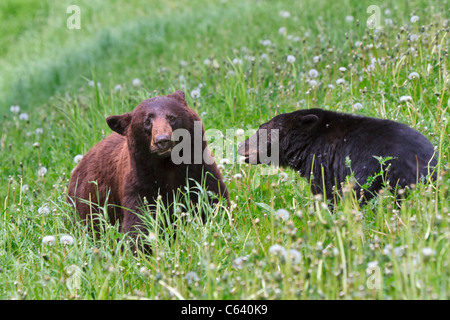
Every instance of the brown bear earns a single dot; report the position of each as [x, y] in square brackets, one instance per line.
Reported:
[326, 147]
[136, 161]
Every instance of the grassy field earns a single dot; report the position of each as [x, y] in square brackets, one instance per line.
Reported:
[277, 241]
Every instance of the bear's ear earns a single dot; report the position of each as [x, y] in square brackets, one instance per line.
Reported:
[309, 119]
[120, 123]
[178, 95]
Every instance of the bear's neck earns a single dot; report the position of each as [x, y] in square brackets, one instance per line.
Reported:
[300, 153]
[147, 164]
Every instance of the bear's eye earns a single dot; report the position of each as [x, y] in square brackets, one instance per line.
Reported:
[147, 122]
[171, 118]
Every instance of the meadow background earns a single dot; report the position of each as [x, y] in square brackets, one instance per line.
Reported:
[240, 63]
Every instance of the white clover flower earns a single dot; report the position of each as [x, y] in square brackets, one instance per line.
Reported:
[23, 116]
[136, 82]
[342, 69]
[357, 106]
[282, 30]
[285, 14]
[195, 93]
[14, 109]
[428, 252]
[349, 18]
[77, 158]
[414, 19]
[66, 239]
[49, 240]
[313, 73]
[207, 62]
[25, 188]
[340, 81]
[282, 214]
[290, 59]
[39, 131]
[44, 210]
[42, 171]
[295, 256]
[118, 87]
[237, 176]
[405, 98]
[413, 75]
[277, 250]
[191, 277]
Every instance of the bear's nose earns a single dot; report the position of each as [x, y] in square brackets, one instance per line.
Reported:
[162, 141]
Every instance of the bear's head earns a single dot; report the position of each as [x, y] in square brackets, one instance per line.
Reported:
[273, 140]
[149, 127]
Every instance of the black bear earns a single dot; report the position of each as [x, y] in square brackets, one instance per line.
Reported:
[136, 161]
[317, 141]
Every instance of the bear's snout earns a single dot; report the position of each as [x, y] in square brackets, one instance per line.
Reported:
[163, 142]
[249, 151]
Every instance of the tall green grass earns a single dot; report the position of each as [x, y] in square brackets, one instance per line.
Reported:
[251, 250]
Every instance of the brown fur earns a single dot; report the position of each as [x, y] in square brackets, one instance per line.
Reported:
[129, 164]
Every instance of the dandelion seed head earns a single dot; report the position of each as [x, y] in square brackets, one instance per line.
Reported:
[295, 256]
[195, 93]
[277, 250]
[136, 82]
[313, 83]
[282, 214]
[414, 19]
[428, 252]
[290, 59]
[66, 239]
[405, 98]
[14, 109]
[357, 106]
[44, 210]
[413, 75]
[192, 277]
[237, 176]
[282, 30]
[49, 240]
[285, 14]
[313, 73]
[23, 116]
[42, 171]
[77, 158]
